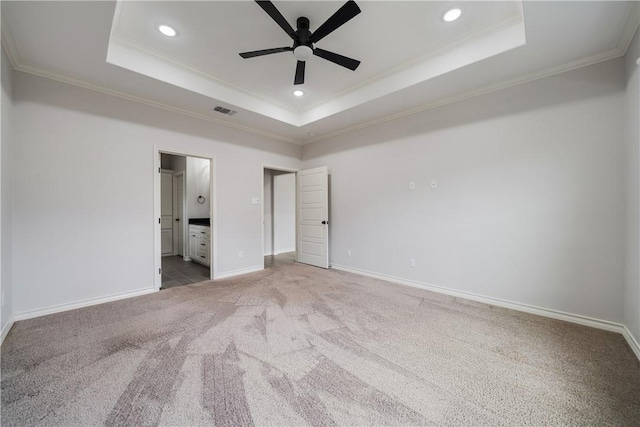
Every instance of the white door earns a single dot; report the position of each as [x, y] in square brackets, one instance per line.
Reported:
[313, 217]
[179, 221]
[166, 212]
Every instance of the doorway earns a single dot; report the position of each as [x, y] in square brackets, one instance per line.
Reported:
[184, 206]
[279, 217]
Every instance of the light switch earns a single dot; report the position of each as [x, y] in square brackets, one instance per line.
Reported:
[412, 185]
[255, 200]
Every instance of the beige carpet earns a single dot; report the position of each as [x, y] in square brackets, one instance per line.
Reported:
[296, 345]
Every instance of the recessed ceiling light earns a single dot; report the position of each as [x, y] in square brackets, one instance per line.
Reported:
[311, 134]
[452, 15]
[298, 92]
[167, 30]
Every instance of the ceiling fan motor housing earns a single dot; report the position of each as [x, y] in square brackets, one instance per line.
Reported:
[303, 39]
[302, 46]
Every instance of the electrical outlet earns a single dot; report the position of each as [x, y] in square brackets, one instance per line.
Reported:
[240, 254]
[412, 262]
[348, 252]
[412, 185]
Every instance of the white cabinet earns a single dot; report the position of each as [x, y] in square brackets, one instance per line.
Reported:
[199, 247]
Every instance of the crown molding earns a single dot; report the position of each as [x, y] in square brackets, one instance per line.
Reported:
[8, 43]
[75, 81]
[570, 66]
[174, 62]
[485, 32]
[629, 28]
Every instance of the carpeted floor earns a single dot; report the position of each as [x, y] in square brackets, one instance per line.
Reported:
[296, 345]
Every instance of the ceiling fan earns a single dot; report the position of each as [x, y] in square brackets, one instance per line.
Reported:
[303, 39]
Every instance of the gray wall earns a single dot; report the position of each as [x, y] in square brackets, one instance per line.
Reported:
[89, 227]
[6, 287]
[632, 139]
[529, 205]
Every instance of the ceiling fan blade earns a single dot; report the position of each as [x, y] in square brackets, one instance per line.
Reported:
[344, 14]
[349, 63]
[299, 73]
[255, 53]
[275, 14]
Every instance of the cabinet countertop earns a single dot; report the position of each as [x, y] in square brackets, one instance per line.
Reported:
[200, 221]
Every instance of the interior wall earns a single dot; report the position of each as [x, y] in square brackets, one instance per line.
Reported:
[632, 140]
[6, 107]
[267, 203]
[94, 224]
[284, 209]
[198, 184]
[529, 198]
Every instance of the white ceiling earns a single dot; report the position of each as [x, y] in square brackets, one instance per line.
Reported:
[411, 59]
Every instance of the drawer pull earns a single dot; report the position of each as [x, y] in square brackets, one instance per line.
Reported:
[202, 232]
[202, 256]
[203, 244]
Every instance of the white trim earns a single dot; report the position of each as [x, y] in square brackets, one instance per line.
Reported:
[6, 329]
[485, 90]
[626, 333]
[171, 61]
[75, 81]
[616, 52]
[462, 41]
[8, 42]
[80, 304]
[239, 272]
[629, 28]
[527, 308]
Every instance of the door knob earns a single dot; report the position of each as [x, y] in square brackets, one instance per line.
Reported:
[177, 219]
[325, 222]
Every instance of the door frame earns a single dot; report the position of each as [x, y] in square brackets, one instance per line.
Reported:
[213, 209]
[280, 169]
[181, 215]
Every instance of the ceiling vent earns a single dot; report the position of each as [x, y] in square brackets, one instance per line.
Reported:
[224, 110]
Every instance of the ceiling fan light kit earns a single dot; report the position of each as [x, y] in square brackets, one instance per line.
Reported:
[303, 39]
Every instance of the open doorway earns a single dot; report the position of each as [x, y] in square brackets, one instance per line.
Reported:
[279, 217]
[186, 240]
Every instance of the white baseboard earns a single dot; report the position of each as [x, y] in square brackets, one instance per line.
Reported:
[238, 272]
[186, 258]
[6, 329]
[626, 333]
[546, 312]
[80, 304]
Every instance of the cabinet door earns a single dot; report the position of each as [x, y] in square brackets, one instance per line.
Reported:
[194, 242]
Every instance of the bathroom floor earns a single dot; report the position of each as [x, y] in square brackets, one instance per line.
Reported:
[177, 272]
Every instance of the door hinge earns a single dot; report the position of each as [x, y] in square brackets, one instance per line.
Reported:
[159, 271]
[158, 170]
[159, 221]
